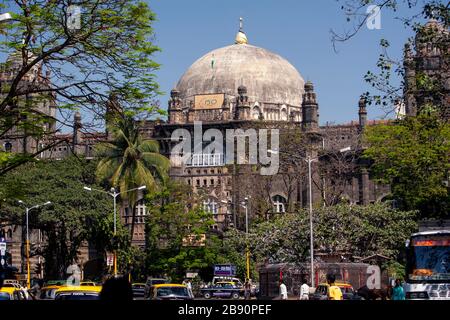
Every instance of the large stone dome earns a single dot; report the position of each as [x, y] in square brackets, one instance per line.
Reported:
[268, 77]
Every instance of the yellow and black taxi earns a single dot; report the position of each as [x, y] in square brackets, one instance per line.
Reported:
[168, 291]
[323, 291]
[48, 292]
[13, 283]
[12, 293]
[78, 293]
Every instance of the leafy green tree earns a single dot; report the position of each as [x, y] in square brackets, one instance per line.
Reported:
[107, 47]
[129, 161]
[342, 229]
[412, 155]
[73, 217]
[175, 229]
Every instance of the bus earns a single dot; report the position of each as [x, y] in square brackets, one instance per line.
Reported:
[428, 265]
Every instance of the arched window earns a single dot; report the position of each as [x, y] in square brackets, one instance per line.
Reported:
[211, 206]
[279, 204]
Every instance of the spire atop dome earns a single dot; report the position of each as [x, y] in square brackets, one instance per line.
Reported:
[241, 38]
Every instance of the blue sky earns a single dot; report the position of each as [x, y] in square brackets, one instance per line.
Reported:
[297, 30]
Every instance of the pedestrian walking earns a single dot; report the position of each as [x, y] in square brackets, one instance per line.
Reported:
[397, 292]
[304, 290]
[247, 289]
[335, 292]
[189, 287]
[283, 291]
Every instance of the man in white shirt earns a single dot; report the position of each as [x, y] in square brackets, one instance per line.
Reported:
[304, 291]
[283, 291]
[189, 287]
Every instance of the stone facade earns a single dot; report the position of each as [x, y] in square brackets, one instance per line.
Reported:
[428, 62]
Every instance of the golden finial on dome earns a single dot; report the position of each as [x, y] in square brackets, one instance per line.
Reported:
[241, 38]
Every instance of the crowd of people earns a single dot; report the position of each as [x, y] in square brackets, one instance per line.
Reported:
[335, 293]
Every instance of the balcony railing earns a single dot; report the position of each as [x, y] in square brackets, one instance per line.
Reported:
[200, 160]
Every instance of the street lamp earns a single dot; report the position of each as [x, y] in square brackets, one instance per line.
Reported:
[5, 17]
[244, 205]
[247, 249]
[27, 210]
[309, 160]
[228, 204]
[113, 193]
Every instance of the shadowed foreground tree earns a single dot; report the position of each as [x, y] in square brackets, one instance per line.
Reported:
[80, 52]
[73, 217]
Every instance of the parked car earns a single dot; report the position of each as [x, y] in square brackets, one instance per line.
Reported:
[78, 293]
[223, 290]
[138, 290]
[236, 281]
[151, 282]
[48, 292]
[11, 283]
[322, 291]
[169, 291]
[12, 293]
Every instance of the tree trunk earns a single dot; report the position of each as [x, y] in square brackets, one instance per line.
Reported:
[133, 217]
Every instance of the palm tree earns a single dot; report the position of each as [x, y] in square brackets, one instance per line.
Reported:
[129, 161]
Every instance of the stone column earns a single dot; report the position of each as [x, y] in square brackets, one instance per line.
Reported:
[364, 187]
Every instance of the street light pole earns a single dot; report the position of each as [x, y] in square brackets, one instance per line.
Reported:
[310, 160]
[114, 194]
[27, 241]
[311, 235]
[27, 244]
[247, 250]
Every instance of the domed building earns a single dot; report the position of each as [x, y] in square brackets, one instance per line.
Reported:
[209, 89]
[244, 87]
[239, 86]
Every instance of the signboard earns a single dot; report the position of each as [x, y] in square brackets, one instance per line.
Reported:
[2, 248]
[109, 259]
[225, 270]
[209, 101]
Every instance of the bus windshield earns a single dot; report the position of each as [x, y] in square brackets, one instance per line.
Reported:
[429, 258]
